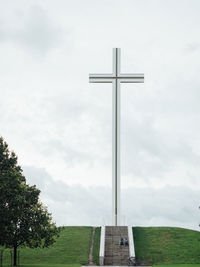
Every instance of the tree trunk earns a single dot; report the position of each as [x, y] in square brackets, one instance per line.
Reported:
[15, 255]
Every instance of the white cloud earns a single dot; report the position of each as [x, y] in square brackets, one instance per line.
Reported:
[56, 121]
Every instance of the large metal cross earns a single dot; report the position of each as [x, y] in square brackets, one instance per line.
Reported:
[116, 77]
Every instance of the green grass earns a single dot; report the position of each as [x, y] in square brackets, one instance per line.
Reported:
[72, 247]
[177, 265]
[96, 245]
[46, 265]
[168, 245]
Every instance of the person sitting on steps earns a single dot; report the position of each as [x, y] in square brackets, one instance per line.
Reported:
[121, 242]
[126, 242]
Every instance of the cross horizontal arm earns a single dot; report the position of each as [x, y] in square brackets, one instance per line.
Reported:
[123, 78]
[130, 75]
[101, 78]
[131, 80]
[102, 75]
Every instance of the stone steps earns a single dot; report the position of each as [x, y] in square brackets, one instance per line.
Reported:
[114, 254]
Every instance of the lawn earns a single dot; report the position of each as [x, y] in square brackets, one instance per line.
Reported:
[177, 265]
[168, 245]
[47, 265]
[72, 247]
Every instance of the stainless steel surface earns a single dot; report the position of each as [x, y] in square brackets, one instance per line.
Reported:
[116, 77]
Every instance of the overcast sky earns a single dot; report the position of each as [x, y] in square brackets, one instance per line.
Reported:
[60, 126]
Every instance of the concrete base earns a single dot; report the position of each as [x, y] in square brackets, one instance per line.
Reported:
[102, 246]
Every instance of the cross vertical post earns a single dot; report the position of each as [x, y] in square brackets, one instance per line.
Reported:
[116, 77]
[116, 138]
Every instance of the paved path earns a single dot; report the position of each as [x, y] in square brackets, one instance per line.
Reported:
[91, 248]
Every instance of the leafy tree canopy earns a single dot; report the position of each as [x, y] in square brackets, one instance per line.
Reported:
[24, 220]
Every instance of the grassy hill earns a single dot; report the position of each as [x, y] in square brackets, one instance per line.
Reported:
[154, 245]
[176, 265]
[168, 245]
[72, 247]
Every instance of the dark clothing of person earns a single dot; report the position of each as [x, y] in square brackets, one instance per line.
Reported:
[126, 243]
[121, 242]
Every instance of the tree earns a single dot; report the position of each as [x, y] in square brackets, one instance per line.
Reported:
[24, 220]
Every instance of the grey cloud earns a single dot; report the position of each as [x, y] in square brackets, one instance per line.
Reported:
[77, 205]
[69, 154]
[159, 131]
[34, 30]
[81, 127]
[177, 204]
[166, 206]
[36, 176]
[193, 47]
[148, 151]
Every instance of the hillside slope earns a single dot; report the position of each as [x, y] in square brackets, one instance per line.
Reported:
[155, 245]
[72, 246]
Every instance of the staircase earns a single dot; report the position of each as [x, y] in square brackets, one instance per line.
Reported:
[114, 254]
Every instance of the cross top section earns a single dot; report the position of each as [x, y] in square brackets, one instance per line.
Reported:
[116, 74]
